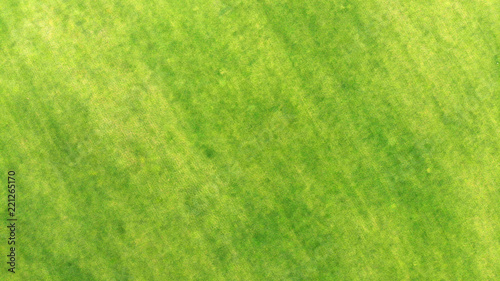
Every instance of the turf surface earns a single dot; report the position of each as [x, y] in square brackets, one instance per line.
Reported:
[252, 140]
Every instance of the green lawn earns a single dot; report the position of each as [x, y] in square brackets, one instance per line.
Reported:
[251, 140]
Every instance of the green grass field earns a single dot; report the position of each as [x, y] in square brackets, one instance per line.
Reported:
[251, 140]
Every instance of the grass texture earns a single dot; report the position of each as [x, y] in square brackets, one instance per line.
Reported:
[252, 140]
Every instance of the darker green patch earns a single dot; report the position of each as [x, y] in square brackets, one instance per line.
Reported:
[72, 271]
[209, 152]
[349, 84]
[3, 27]
[225, 10]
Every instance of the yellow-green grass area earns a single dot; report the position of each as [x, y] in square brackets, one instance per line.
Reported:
[251, 140]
